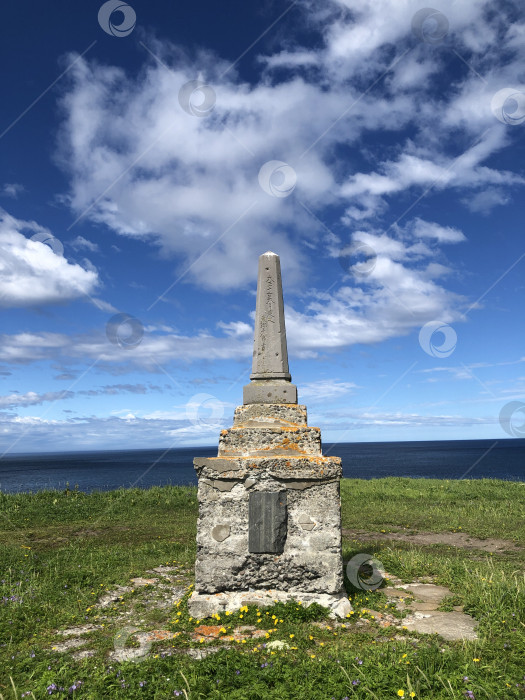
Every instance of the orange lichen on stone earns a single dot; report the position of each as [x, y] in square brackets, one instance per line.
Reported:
[156, 635]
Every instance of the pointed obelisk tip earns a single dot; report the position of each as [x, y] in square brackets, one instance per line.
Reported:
[271, 380]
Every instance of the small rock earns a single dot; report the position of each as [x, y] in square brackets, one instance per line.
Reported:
[84, 629]
[68, 644]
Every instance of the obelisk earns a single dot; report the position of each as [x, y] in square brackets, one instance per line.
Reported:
[270, 377]
[269, 525]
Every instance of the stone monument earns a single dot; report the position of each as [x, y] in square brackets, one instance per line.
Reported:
[269, 525]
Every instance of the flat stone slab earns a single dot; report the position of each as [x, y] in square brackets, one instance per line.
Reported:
[113, 596]
[302, 440]
[140, 581]
[237, 468]
[83, 629]
[201, 605]
[395, 593]
[427, 592]
[265, 414]
[68, 644]
[449, 625]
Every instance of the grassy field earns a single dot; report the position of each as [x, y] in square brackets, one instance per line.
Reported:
[59, 551]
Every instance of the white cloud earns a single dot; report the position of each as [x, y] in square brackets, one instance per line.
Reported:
[31, 274]
[443, 234]
[484, 202]
[326, 388]
[12, 189]
[194, 190]
[80, 242]
[31, 398]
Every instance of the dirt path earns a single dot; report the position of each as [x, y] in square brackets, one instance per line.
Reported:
[454, 539]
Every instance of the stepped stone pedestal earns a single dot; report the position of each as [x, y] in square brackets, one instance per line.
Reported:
[269, 525]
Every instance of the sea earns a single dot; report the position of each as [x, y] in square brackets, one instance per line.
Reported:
[107, 470]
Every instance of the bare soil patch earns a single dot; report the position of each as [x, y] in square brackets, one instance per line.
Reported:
[453, 539]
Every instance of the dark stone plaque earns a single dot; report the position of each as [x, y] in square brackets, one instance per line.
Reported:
[267, 522]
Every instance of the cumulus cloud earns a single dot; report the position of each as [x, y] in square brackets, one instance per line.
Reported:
[31, 273]
[142, 166]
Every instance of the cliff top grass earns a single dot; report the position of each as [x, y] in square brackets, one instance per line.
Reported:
[62, 551]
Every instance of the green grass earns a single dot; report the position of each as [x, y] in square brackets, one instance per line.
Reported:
[60, 550]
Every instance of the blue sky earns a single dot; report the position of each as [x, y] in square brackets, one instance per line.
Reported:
[151, 153]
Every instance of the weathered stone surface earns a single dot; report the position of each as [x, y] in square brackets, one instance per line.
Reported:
[294, 468]
[449, 625]
[265, 414]
[269, 391]
[271, 440]
[221, 484]
[219, 465]
[267, 522]
[270, 353]
[201, 606]
[270, 452]
[426, 592]
[220, 532]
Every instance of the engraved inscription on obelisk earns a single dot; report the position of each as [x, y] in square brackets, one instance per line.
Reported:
[267, 522]
[270, 377]
[270, 354]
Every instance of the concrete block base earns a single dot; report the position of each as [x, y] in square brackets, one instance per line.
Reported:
[269, 391]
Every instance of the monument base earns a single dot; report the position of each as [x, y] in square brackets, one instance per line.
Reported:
[202, 605]
[274, 391]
